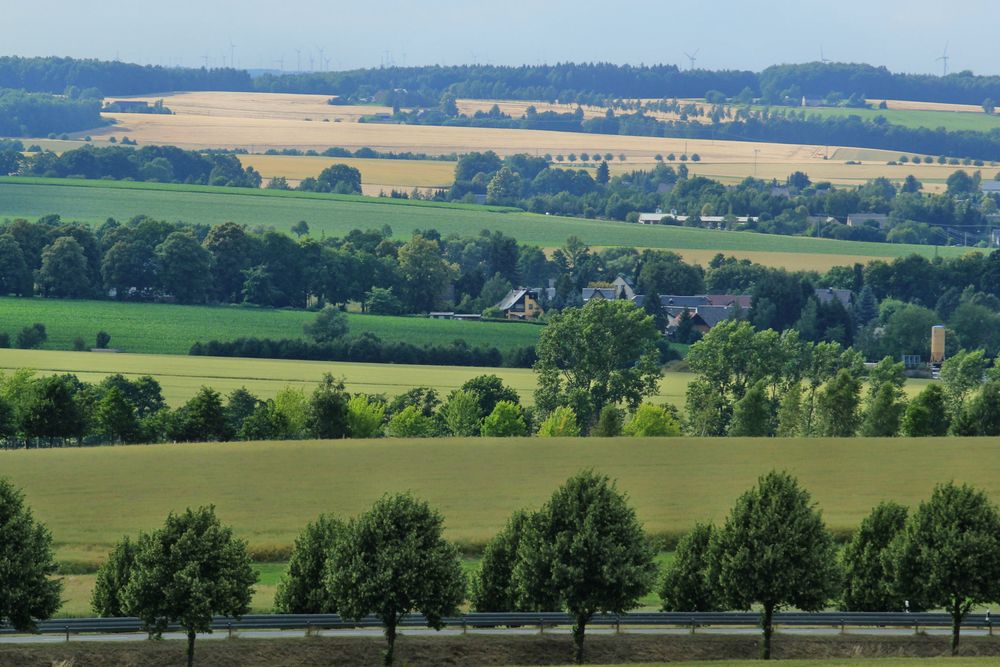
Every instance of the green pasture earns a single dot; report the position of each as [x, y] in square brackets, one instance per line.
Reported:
[172, 329]
[90, 497]
[335, 215]
[912, 118]
[182, 376]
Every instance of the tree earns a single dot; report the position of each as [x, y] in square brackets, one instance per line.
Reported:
[382, 301]
[837, 406]
[115, 416]
[28, 591]
[425, 271]
[989, 106]
[981, 415]
[754, 414]
[883, 414]
[561, 423]
[188, 571]
[686, 583]
[585, 550]
[504, 187]
[303, 589]
[410, 422]
[490, 390]
[604, 173]
[201, 419]
[183, 268]
[774, 551]
[604, 353]
[231, 250]
[461, 413]
[494, 587]
[327, 414]
[961, 374]
[50, 409]
[108, 598]
[102, 340]
[506, 421]
[868, 585]
[927, 414]
[300, 228]
[339, 178]
[948, 555]
[64, 272]
[652, 421]
[15, 277]
[329, 325]
[364, 417]
[393, 560]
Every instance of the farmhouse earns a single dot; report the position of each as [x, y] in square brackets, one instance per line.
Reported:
[524, 303]
[620, 288]
[673, 218]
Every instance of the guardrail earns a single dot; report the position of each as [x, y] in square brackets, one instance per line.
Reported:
[692, 620]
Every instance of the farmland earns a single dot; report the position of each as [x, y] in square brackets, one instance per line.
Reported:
[268, 491]
[173, 329]
[181, 376]
[334, 215]
[377, 175]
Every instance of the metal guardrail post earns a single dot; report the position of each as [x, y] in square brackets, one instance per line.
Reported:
[618, 624]
[67, 633]
[230, 628]
[541, 625]
[843, 631]
[692, 625]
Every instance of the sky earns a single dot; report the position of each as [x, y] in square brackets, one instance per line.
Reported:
[903, 35]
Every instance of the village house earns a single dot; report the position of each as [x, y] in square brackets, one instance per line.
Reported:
[524, 303]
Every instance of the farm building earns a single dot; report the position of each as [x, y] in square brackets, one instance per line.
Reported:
[524, 303]
[620, 288]
[673, 218]
[865, 219]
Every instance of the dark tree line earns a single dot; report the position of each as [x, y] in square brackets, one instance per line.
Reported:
[25, 114]
[59, 75]
[163, 164]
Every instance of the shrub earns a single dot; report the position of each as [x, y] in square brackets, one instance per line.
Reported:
[410, 422]
[32, 337]
[78, 344]
[560, 424]
[4, 340]
[652, 421]
[103, 338]
[461, 413]
[609, 423]
[364, 417]
[506, 421]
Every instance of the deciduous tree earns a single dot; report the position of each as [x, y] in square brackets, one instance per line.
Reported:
[303, 588]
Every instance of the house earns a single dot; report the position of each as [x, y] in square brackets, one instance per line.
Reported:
[863, 219]
[827, 294]
[522, 303]
[673, 218]
[782, 191]
[741, 301]
[820, 219]
[703, 319]
[620, 289]
[128, 106]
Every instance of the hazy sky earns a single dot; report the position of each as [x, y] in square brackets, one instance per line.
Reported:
[905, 35]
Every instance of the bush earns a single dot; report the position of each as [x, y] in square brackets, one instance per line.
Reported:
[78, 344]
[30, 338]
[651, 421]
[329, 325]
[609, 423]
[410, 422]
[506, 421]
[103, 338]
[461, 414]
[4, 340]
[560, 424]
[364, 417]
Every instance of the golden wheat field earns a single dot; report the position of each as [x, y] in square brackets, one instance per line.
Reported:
[377, 175]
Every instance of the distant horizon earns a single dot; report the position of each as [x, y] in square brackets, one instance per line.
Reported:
[905, 36]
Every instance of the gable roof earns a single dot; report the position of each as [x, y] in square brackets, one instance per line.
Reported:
[512, 297]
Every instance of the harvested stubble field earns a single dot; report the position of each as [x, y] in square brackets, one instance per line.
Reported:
[268, 491]
[335, 215]
[172, 329]
[478, 650]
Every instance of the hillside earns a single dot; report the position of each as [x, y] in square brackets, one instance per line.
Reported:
[335, 215]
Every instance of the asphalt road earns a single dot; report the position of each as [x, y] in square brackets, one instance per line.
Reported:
[376, 633]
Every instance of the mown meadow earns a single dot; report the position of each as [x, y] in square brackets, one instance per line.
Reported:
[172, 329]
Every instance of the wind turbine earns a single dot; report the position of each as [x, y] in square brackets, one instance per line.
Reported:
[322, 60]
[205, 58]
[280, 62]
[822, 58]
[944, 60]
[692, 56]
[298, 60]
[232, 54]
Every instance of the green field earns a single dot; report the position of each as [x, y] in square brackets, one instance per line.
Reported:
[334, 215]
[181, 376]
[912, 118]
[90, 497]
[172, 329]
